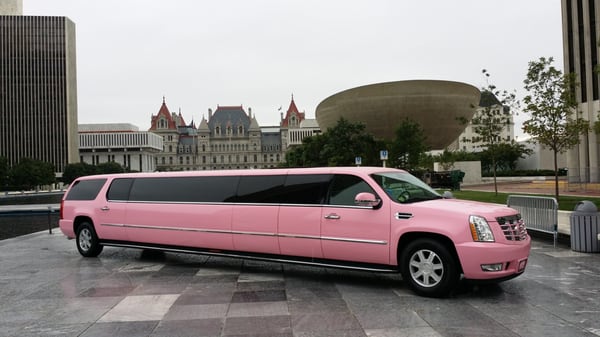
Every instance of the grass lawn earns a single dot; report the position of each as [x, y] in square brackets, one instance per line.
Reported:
[566, 203]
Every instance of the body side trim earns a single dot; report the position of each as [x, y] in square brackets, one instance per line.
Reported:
[216, 231]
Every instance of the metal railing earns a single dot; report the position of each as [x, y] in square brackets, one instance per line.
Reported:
[539, 213]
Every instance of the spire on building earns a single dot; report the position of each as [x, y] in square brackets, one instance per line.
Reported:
[293, 117]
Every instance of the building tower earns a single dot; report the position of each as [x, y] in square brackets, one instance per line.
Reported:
[11, 7]
[580, 20]
[38, 91]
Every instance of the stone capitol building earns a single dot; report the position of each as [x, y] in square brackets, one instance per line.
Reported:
[230, 138]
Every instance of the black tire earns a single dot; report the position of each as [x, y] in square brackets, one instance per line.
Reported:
[429, 268]
[88, 244]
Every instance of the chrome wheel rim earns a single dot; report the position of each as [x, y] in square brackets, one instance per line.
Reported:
[426, 268]
[85, 239]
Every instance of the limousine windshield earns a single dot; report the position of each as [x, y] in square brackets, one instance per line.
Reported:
[405, 188]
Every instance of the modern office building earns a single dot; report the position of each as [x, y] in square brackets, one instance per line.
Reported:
[11, 7]
[119, 143]
[38, 91]
[580, 21]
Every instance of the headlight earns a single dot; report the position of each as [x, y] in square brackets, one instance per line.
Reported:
[480, 229]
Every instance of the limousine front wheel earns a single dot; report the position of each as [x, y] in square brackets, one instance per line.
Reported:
[429, 268]
[87, 240]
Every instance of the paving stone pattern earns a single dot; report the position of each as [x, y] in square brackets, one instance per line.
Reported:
[48, 289]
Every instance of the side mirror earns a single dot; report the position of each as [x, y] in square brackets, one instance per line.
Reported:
[365, 199]
[448, 195]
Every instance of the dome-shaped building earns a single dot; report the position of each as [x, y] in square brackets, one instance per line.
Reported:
[440, 107]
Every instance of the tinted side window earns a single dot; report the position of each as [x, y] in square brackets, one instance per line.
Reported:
[307, 189]
[345, 187]
[119, 189]
[184, 189]
[85, 189]
[260, 189]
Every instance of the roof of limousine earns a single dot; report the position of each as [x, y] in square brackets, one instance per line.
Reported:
[311, 170]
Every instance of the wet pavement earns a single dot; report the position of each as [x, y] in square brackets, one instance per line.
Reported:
[48, 289]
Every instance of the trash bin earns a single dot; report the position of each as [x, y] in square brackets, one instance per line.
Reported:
[456, 177]
[585, 227]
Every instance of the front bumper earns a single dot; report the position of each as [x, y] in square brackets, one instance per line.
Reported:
[512, 256]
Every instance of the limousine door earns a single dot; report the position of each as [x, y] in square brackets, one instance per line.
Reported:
[300, 215]
[190, 211]
[254, 217]
[112, 212]
[350, 232]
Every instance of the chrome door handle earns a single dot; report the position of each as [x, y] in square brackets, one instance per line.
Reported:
[332, 216]
[105, 208]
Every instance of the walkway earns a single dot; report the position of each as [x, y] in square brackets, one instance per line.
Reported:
[540, 187]
[48, 289]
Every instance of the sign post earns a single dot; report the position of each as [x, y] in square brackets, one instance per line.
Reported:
[358, 161]
[383, 155]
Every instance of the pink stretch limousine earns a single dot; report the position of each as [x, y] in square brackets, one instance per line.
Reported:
[364, 218]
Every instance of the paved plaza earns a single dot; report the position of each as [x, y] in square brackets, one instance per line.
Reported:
[48, 289]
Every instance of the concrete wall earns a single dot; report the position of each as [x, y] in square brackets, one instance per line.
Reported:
[540, 159]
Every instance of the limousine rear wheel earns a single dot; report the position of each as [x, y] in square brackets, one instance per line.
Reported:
[87, 240]
[429, 268]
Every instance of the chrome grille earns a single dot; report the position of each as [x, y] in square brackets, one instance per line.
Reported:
[513, 227]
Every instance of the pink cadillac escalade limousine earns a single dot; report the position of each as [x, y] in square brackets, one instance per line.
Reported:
[365, 218]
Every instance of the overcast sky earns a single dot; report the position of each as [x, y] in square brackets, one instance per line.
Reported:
[200, 54]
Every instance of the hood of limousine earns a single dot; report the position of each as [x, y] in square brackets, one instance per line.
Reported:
[459, 207]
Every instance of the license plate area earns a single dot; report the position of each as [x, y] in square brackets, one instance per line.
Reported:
[522, 265]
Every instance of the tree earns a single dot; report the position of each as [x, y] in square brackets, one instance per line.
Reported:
[109, 167]
[76, 170]
[407, 149]
[338, 146]
[506, 156]
[491, 119]
[30, 173]
[555, 121]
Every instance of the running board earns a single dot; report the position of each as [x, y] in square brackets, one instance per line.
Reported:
[259, 257]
